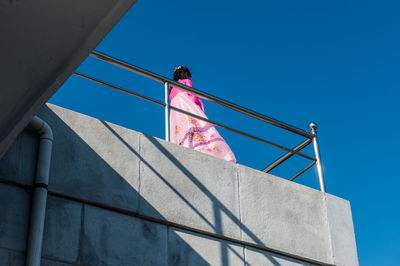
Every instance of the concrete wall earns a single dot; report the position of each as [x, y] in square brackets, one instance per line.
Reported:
[119, 197]
[42, 42]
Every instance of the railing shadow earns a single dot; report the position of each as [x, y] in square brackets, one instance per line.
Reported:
[218, 226]
[93, 174]
[83, 173]
[218, 206]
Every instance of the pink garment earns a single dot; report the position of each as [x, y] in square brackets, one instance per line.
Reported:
[194, 133]
[194, 98]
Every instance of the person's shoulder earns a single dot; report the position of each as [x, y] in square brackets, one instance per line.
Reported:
[186, 82]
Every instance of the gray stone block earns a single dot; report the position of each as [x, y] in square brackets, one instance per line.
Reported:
[115, 239]
[19, 163]
[93, 160]
[62, 229]
[14, 217]
[11, 258]
[283, 215]
[190, 249]
[342, 232]
[187, 187]
[259, 257]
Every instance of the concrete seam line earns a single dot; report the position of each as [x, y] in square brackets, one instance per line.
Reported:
[244, 256]
[167, 244]
[140, 164]
[170, 225]
[239, 207]
[81, 233]
[187, 228]
[15, 184]
[328, 226]
[60, 260]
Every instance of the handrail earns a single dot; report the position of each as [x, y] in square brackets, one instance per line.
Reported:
[290, 151]
[287, 156]
[118, 88]
[311, 137]
[238, 108]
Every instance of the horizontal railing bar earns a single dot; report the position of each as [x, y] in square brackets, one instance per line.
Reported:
[188, 113]
[118, 88]
[302, 171]
[242, 133]
[159, 78]
[287, 156]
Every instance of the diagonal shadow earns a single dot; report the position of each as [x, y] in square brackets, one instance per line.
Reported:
[217, 227]
[84, 192]
[100, 182]
[219, 207]
[84, 174]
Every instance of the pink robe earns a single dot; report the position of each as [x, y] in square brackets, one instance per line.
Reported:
[194, 133]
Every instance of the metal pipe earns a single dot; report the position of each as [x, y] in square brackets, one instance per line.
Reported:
[159, 78]
[166, 102]
[117, 88]
[40, 186]
[302, 171]
[242, 133]
[187, 113]
[286, 156]
[320, 173]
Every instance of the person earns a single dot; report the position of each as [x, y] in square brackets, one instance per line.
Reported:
[189, 131]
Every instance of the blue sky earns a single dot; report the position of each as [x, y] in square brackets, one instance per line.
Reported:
[336, 63]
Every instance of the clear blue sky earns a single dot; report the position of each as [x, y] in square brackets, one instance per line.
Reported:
[333, 62]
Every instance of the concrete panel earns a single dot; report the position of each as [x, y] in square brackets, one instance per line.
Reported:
[44, 42]
[14, 216]
[19, 163]
[342, 232]
[259, 257]
[48, 262]
[93, 160]
[190, 249]
[187, 187]
[62, 229]
[283, 215]
[11, 258]
[115, 239]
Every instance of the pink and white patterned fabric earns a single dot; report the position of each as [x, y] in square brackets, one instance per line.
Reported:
[194, 133]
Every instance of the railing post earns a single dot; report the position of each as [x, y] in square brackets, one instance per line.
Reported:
[166, 101]
[313, 130]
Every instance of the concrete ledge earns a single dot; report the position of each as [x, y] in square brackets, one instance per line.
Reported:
[90, 161]
[342, 231]
[283, 215]
[187, 187]
[130, 174]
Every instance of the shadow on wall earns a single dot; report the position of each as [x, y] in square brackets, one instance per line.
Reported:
[109, 181]
[218, 207]
[96, 198]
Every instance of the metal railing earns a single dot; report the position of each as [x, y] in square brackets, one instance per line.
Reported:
[311, 137]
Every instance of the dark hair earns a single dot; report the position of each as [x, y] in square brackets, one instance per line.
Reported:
[182, 72]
